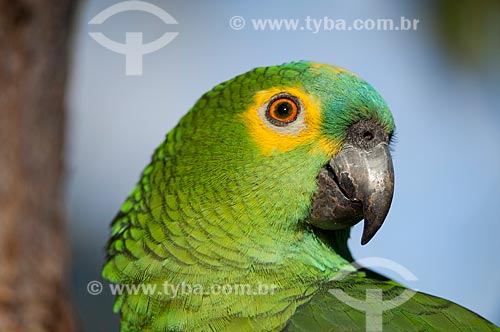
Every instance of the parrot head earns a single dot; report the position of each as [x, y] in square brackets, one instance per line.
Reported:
[297, 145]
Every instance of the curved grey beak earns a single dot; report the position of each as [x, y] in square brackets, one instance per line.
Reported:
[358, 183]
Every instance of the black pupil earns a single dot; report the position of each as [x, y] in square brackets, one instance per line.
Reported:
[283, 110]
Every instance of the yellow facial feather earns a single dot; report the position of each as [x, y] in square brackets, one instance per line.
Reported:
[306, 130]
[335, 70]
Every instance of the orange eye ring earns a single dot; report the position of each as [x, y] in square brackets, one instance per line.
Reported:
[283, 109]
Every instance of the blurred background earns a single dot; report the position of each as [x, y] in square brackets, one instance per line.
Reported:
[441, 82]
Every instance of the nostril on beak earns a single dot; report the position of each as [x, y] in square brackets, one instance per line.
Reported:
[367, 136]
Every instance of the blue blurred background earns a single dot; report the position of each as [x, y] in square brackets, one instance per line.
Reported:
[441, 82]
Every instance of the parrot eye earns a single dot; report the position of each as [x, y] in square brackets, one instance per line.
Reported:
[282, 109]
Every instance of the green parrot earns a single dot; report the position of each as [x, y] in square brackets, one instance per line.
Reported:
[241, 220]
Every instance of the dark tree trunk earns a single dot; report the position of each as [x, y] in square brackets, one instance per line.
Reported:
[34, 37]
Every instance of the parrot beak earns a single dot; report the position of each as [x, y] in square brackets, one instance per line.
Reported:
[356, 184]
